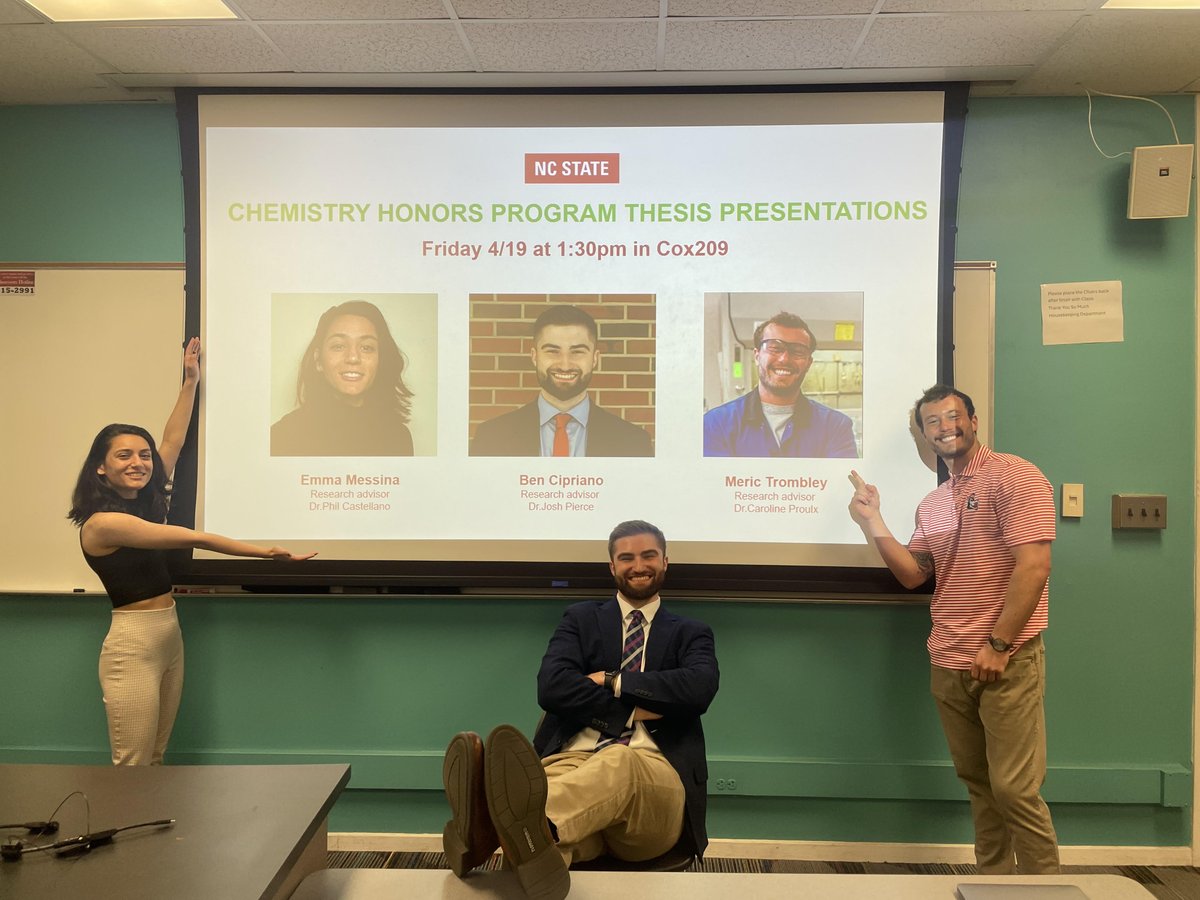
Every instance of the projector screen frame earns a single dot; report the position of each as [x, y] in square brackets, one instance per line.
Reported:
[475, 576]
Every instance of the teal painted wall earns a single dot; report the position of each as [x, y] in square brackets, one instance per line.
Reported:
[823, 722]
[1040, 200]
[94, 183]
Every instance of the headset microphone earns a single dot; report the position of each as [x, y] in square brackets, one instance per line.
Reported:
[13, 848]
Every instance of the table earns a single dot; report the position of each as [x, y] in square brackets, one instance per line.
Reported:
[251, 832]
[388, 884]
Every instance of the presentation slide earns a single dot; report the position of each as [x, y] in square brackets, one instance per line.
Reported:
[491, 327]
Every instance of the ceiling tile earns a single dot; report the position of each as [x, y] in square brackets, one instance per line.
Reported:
[1008, 47]
[223, 47]
[1123, 51]
[745, 9]
[739, 44]
[309, 10]
[12, 12]
[946, 6]
[564, 46]
[963, 40]
[555, 9]
[39, 65]
[378, 47]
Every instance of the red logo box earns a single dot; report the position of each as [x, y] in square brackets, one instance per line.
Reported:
[14, 278]
[572, 168]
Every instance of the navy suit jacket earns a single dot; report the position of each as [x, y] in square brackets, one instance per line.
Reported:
[679, 679]
[517, 434]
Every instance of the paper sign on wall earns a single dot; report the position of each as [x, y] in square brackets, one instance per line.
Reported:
[17, 282]
[1082, 312]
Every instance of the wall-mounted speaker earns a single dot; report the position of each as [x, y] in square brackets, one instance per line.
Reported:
[1160, 181]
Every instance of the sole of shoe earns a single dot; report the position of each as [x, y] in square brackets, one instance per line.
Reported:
[462, 781]
[516, 795]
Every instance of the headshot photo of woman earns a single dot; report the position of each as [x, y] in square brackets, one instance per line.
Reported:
[120, 505]
[351, 398]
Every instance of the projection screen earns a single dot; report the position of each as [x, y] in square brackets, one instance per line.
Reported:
[677, 222]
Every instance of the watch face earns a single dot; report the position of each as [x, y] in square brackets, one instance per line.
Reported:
[998, 645]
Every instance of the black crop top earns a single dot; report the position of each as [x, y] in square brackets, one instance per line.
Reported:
[130, 574]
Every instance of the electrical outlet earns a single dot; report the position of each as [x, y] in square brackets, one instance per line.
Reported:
[726, 785]
[1139, 510]
[1072, 501]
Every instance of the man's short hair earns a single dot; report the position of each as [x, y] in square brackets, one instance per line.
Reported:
[784, 320]
[635, 527]
[941, 392]
[566, 315]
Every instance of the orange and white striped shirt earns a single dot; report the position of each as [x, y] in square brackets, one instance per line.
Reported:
[969, 524]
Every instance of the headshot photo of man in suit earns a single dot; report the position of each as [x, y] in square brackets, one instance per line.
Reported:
[562, 419]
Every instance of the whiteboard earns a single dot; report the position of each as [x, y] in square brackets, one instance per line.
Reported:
[88, 346]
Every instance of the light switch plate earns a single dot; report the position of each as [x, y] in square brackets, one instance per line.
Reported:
[1072, 501]
[1139, 510]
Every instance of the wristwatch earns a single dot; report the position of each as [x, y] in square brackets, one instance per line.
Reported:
[998, 645]
[609, 678]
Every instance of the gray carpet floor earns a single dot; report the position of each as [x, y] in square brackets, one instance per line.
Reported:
[1164, 882]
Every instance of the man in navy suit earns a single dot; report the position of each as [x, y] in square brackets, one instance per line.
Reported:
[619, 765]
[562, 420]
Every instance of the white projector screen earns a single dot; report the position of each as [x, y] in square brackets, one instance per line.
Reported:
[678, 222]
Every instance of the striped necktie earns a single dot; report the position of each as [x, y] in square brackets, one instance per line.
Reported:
[631, 661]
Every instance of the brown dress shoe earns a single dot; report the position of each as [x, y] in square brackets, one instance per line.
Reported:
[516, 797]
[469, 838]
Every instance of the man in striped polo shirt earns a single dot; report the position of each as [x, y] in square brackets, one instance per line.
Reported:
[985, 533]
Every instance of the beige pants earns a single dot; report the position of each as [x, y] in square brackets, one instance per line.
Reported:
[997, 737]
[141, 674]
[625, 802]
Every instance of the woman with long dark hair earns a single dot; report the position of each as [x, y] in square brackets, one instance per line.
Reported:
[351, 399]
[120, 505]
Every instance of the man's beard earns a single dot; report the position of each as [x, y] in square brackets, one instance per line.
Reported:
[961, 448]
[562, 391]
[641, 592]
[790, 390]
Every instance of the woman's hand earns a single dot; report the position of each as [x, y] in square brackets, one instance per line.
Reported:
[191, 361]
[280, 553]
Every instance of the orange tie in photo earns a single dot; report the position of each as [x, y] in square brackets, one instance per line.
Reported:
[562, 447]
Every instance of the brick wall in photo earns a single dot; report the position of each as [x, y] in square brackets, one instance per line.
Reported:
[502, 376]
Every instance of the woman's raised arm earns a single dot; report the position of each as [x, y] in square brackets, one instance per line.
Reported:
[176, 428]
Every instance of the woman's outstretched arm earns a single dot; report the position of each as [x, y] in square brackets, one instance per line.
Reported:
[106, 532]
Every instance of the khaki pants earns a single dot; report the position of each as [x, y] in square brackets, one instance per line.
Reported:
[997, 737]
[141, 674]
[625, 802]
